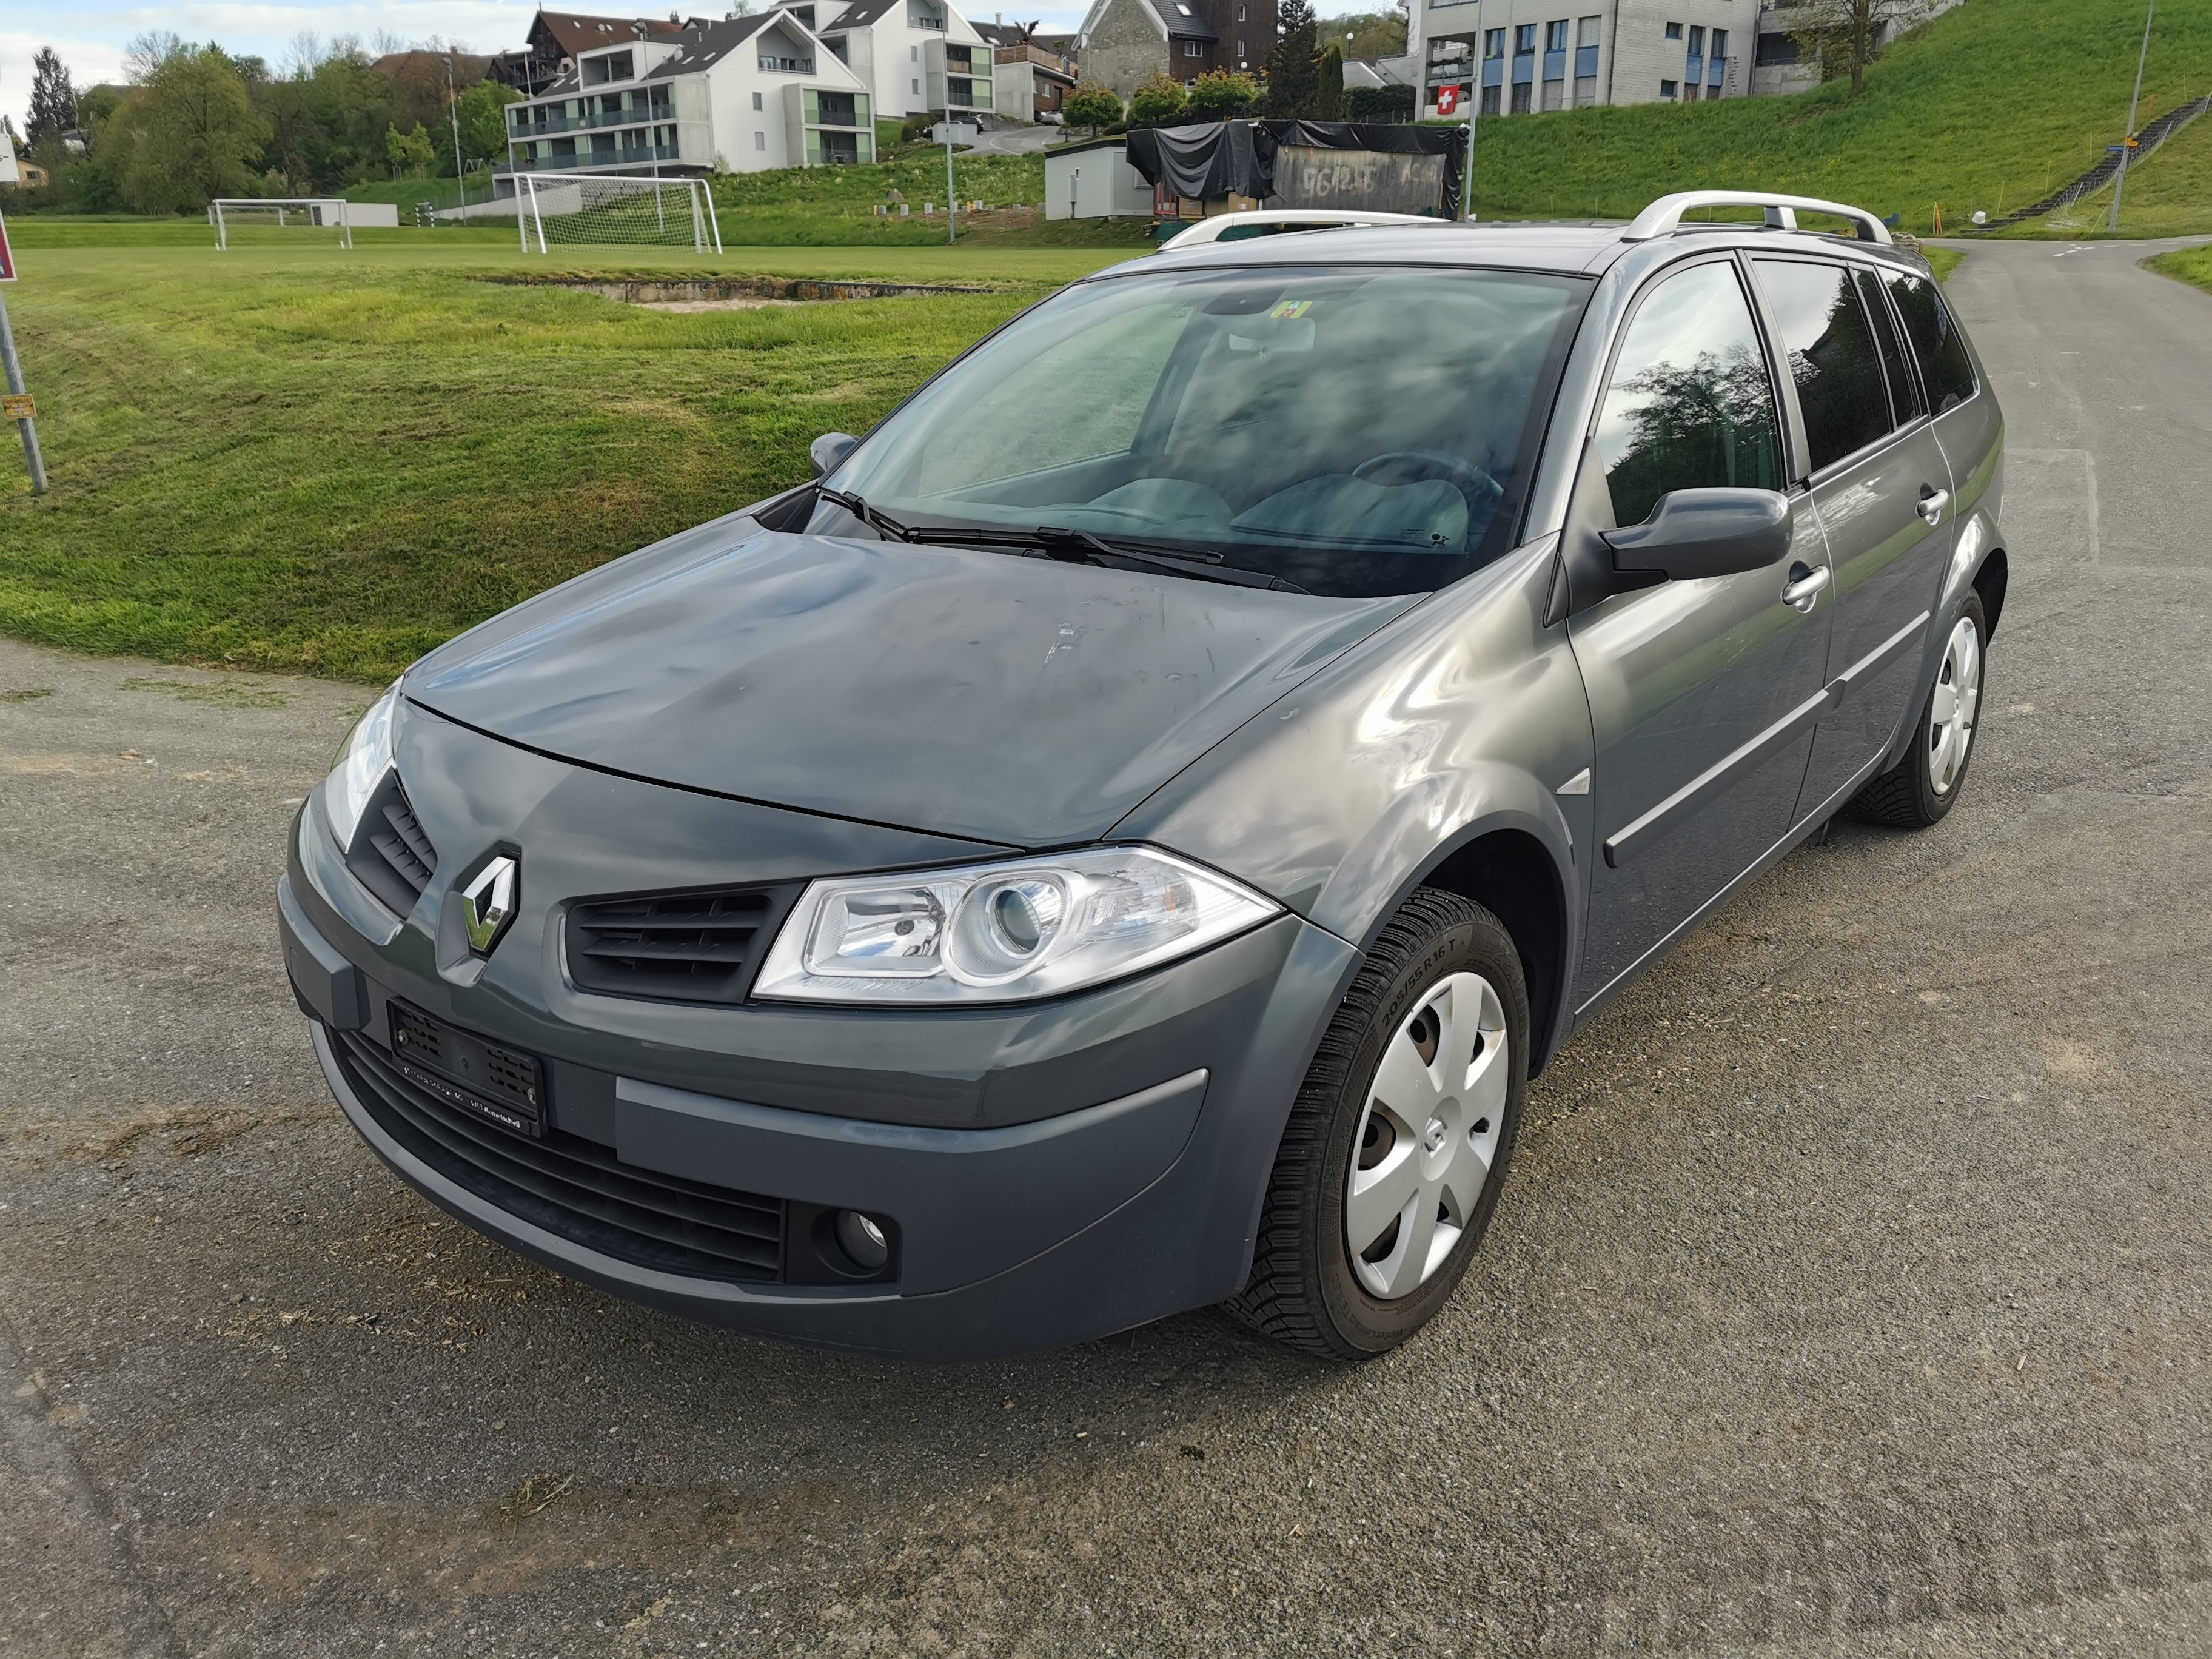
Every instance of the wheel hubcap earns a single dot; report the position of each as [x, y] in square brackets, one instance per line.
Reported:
[1958, 699]
[1411, 1190]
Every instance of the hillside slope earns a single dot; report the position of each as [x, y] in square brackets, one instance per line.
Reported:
[1987, 106]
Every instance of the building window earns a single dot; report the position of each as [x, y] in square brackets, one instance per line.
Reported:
[757, 101]
[1493, 44]
[760, 140]
[1697, 41]
[1490, 100]
[1555, 36]
[1673, 31]
[1193, 49]
[914, 87]
[1240, 14]
[1719, 45]
[1524, 39]
[1240, 46]
[1667, 88]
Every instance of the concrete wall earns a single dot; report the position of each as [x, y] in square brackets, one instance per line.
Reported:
[1124, 49]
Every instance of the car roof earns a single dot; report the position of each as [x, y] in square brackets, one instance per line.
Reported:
[1578, 248]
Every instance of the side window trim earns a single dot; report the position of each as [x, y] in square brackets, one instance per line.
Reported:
[1973, 363]
[1915, 400]
[1777, 385]
[1800, 446]
[1803, 457]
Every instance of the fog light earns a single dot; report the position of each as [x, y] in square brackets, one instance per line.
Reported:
[862, 1240]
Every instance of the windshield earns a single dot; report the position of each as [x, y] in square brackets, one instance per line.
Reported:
[1354, 432]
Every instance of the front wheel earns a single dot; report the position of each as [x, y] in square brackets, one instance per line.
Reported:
[1921, 787]
[1391, 1162]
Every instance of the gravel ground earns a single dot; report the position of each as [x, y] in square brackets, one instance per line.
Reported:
[1850, 1296]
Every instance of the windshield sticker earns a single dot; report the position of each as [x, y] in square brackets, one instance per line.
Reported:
[1285, 308]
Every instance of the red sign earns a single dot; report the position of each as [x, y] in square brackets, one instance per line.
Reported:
[1446, 100]
[7, 256]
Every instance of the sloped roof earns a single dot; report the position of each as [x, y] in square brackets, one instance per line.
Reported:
[862, 12]
[573, 32]
[1184, 19]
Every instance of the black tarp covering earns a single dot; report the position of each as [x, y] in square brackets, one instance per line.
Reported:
[1212, 159]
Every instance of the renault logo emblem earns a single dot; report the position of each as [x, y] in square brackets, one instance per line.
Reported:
[487, 904]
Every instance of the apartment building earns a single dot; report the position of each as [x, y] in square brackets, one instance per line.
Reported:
[915, 57]
[744, 93]
[1529, 55]
[1031, 74]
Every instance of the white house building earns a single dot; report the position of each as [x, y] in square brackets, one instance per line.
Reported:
[915, 57]
[744, 94]
[1538, 55]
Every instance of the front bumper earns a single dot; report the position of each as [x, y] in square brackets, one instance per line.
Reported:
[1122, 1205]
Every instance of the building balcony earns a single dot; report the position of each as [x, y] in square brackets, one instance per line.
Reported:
[594, 161]
[521, 133]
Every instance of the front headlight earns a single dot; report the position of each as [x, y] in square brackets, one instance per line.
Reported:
[1001, 933]
[363, 760]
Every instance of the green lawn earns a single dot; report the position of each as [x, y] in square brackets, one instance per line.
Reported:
[299, 459]
[2192, 265]
[1989, 106]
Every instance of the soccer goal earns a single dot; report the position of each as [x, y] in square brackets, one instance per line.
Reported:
[590, 207]
[300, 217]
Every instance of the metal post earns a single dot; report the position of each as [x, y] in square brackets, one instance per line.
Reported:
[28, 428]
[1473, 109]
[707, 194]
[454, 109]
[2120, 179]
[951, 232]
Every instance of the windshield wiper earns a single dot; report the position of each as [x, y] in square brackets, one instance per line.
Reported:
[1057, 542]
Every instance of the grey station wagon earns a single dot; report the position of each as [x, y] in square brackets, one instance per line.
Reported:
[1122, 839]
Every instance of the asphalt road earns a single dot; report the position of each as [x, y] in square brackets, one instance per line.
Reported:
[1850, 1296]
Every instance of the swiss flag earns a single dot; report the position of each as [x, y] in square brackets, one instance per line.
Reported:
[1446, 100]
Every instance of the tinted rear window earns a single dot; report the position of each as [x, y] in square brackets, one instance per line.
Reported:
[1833, 356]
[1944, 364]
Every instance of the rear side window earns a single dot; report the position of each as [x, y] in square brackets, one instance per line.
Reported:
[1903, 390]
[1944, 364]
[1832, 353]
[1690, 404]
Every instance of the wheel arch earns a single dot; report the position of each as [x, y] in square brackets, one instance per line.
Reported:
[1990, 580]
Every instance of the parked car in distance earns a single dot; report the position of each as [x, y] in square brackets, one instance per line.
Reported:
[1123, 838]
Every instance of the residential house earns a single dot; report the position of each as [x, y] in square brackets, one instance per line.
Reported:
[1125, 43]
[745, 94]
[1031, 75]
[915, 57]
[557, 39]
[1533, 59]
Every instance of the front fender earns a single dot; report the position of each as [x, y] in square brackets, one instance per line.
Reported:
[1463, 716]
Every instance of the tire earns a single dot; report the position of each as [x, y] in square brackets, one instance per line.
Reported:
[1443, 971]
[1924, 784]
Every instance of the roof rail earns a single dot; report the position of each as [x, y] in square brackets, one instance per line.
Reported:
[1215, 226]
[1664, 217]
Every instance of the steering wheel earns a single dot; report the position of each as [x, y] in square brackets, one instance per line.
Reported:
[1481, 492]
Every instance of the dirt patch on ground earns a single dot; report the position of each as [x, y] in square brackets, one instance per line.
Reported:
[731, 293]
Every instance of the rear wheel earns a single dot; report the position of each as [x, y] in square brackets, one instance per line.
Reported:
[1397, 1145]
[1920, 788]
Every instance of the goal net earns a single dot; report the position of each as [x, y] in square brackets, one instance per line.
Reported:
[587, 207]
[280, 219]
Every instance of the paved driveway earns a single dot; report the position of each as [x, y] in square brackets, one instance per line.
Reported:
[1850, 1295]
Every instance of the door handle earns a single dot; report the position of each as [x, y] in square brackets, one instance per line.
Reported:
[1932, 503]
[1804, 586]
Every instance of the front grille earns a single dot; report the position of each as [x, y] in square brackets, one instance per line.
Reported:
[392, 857]
[572, 1187]
[677, 947]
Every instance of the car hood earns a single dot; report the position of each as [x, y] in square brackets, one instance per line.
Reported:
[1005, 699]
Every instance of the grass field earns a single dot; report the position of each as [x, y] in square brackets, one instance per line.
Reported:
[2192, 265]
[2169, 195]
[1989, 106]
[296, 459]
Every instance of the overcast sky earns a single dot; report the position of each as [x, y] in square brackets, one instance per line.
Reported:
[91, 34]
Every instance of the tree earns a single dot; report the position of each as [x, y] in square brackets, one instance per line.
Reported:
[197, 133]
[1844, 36]
[1156, 103]
[1367, 34]
[1292, 78]
[483, 112]
[1222, 95]
[53, 99]
[1091, 106]
[1329, 84]
[409, 151]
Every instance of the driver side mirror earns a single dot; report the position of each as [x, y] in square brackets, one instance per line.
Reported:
[1704, 532]
[1691, 533]
[827, 450]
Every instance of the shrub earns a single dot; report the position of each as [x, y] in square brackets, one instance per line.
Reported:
[1156, 103]
[1378, 103]
[1091, 106]
[1221, 95]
